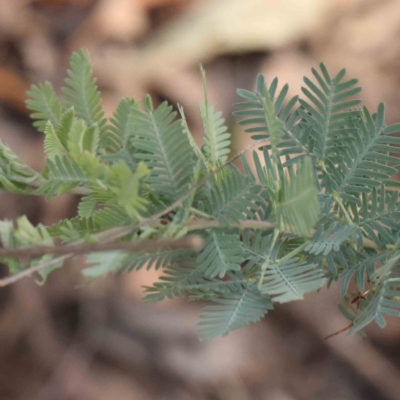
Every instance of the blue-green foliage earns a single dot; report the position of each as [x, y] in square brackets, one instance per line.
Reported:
[317, 203]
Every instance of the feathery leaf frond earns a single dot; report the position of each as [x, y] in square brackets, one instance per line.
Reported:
[232, 312]
[82, 93]
[222, 253]
[64, 175]
[299, 208]
[379, 216]
[15, 175]
[325, 112]
[291, 279]
[160, 143]
[216, 136]
[364, 162]
[266, 115]
[119, 261]
[45, 106]
[178, 281]
[56, 139]
[384, 301]
[121, 122]
[325, 241]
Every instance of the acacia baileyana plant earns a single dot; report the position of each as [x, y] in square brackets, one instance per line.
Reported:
[320, 206]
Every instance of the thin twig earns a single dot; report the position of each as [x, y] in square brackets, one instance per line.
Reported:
[199, 224]
[189, 243]
[14, 278]
[193, 242]
[339, 331]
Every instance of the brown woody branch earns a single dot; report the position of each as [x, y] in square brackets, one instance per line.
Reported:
[193, 242]
[189, 243]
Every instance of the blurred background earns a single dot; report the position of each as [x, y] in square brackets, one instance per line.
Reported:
[63, 341]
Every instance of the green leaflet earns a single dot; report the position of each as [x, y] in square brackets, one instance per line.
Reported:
[64, 175]
[15, 175]
[45, 106]
[232, 312]
[56, 137]
[365, 160]
[326, 110]
[324, 242]
[114, 185]
[121, 122]
[70, 230]
[384, 301]
[82, 93]
[234, 198]
[268, 118]
[274, 125]
[291, 279]
[178, 281]
[222, 253]
[26, 235]
[298, 209]
[216, 136]
[118, 261]
[162, 145]
[379, 216]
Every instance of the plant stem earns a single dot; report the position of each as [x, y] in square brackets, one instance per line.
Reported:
[199, 213]
[207, 224]
[338, 200]
[193, 242]
[68, 251]
[294, 252]
[24, 274]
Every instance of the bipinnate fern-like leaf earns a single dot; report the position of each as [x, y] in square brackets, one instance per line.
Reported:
[325, 241]
[254, 112]
[385, 300]
[327, 111]
[216, 136]
[379, 216]
[121, 122]
[82, 93]
[362, 270]
[299, 207]
[222, 253]
[266, 115]
[180, 281]
[69, 230]
[274, 125]
[114, 186]
[26, 235]
[118, 261]
[109, 217]
[291, 279]
[233, 311]
[56, 137]
[365, 160]
[64, 174]
[160, 143]
[234, 197]
[15, 175]
[45, 106]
